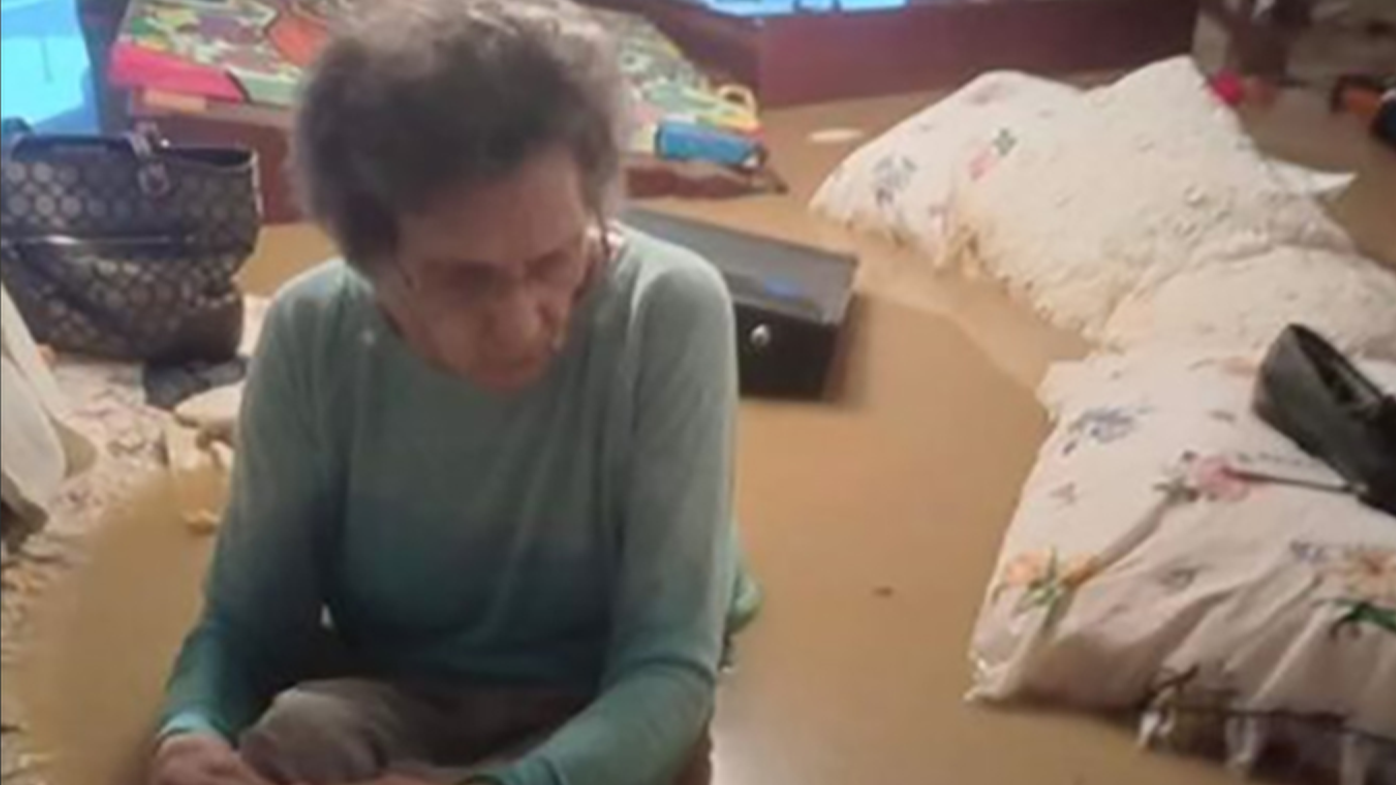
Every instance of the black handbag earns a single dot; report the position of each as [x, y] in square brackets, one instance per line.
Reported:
[127, 247]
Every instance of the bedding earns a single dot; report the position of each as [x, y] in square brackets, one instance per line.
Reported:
[40, 447]
[1137, 213]
[900, 185]
[1152, 176]
[1244, 304]
[1145, 567]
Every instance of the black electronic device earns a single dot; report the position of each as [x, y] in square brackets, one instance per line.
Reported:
[791, 301]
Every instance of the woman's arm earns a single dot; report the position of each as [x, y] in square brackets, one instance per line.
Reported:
[263, 594]
[678, 553]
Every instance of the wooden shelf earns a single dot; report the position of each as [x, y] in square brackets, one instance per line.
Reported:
[813, 57]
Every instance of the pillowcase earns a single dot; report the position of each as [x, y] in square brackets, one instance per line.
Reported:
[1150, 177]
[1242, 305]
[1143, 568]
[901, 184]
[1138, 213]
[41, 447]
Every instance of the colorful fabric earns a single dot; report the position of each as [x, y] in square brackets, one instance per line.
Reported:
[669, 86]
[256, 51]
[216, 49]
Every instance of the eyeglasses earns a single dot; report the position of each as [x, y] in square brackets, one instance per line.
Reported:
[464, 290]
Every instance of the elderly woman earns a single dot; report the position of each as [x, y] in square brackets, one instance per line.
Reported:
[488, 455]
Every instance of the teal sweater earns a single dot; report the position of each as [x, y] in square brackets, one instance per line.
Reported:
[575, 535]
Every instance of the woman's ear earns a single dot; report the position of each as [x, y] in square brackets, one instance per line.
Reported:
[605, 246]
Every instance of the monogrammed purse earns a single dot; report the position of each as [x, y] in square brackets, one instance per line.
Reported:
[127, 247]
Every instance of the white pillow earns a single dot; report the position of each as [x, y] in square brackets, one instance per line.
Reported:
[1139, 213]
[1150, 176]
[900, 185]
[41, 447]
[1241, 306]
[1140, 571]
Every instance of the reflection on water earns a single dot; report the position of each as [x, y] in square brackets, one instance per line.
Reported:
[107, 634]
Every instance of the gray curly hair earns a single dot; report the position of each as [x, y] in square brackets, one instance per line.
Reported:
[417, 97]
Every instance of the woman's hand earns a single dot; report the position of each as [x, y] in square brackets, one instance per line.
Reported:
[199, 759]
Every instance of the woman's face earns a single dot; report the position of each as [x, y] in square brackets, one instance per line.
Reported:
[486, 278]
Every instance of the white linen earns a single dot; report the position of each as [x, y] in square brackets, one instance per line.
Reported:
[1141, 568]
[39, 447]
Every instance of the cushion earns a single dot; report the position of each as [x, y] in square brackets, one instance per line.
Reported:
[40, 447]
[1143, 568]
[1138, 213]
[1151, 177]
[900, 185]
[1242, 305]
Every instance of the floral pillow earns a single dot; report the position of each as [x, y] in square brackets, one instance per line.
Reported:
[901, 184]
[1137, 213]
[1345, 297]
[1147, 177]
[1150, 564]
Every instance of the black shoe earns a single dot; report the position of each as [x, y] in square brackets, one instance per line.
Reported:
[1311, 393]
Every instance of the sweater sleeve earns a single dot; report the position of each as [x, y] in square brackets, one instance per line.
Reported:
[677, 560]
[262, 596]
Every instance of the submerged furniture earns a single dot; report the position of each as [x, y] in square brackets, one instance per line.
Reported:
[228, 73]
[792, 302]
[792, 55]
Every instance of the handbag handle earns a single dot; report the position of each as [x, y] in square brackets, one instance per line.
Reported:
[144, 144]
[12, 131]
